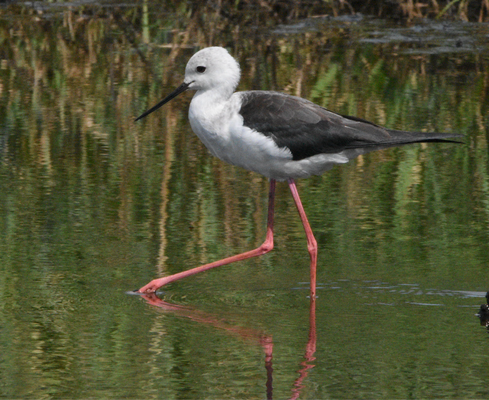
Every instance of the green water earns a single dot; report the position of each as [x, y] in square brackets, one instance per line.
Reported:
[93, 205]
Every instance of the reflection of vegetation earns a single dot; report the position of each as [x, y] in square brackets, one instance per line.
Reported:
[92, 202]
[267, 12]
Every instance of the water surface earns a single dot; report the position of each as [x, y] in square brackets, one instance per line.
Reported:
[94, 205]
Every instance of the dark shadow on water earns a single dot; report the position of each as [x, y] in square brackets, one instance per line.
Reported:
[256, 336]
[483, 313]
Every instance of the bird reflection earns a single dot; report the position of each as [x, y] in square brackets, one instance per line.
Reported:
[307, 364]
[259, 337]
[483, 313]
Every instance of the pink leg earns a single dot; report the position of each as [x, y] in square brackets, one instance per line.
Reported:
[312, 245]
[267, 245]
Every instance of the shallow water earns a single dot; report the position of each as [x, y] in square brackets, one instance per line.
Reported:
[94, 205]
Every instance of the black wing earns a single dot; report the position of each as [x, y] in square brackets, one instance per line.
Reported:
[307, 129]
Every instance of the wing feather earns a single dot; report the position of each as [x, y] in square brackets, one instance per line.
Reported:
[307, 129]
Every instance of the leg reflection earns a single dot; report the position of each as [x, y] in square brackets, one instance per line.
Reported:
[309, 353]
[257, 336]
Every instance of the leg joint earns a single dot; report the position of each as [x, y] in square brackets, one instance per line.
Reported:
[266, 247]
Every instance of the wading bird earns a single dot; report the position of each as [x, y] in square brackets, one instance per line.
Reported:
[280, 136]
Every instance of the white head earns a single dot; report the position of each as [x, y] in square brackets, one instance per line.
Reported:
[209, 68]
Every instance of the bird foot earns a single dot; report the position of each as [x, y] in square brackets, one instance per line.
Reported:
[153, 286]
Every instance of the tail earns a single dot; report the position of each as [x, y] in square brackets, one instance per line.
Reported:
[403, 137]
[400, 138]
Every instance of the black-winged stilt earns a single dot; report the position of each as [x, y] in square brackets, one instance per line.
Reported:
[280, 136]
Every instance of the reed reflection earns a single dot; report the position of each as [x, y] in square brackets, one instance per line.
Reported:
[255, 336]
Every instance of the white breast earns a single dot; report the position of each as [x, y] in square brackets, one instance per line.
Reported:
[220, 127]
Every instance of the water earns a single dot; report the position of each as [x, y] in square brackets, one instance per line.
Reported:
[94, 205]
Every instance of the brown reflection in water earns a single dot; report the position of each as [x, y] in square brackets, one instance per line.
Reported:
[258, 337]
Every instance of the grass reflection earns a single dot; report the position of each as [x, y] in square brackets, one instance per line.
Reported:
[93, 205]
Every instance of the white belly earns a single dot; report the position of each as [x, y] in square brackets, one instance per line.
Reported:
[221, 130]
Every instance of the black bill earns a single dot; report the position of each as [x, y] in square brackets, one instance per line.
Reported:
[182, 88]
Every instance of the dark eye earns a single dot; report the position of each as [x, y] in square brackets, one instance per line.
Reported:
[201, 69]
